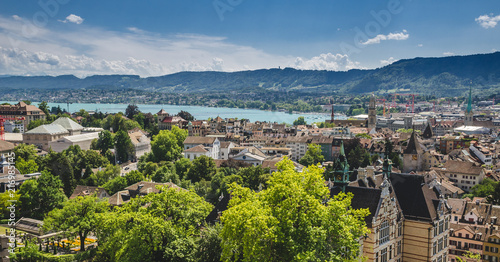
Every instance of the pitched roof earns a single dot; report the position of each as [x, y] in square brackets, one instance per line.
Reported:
[414, 196]
[51, 129]
[428, 132]
[199, 140]
[82, 137]
[363, 197]
[68, 124]
[413, 147]
[87, 190]
[6, 146]
[462, 167]
[196, 149]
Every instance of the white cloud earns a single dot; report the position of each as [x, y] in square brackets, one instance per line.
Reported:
[448, 54]
[420, 45]
[388, 61]
[329, 61]
[73, 19]
[87, 50]
[487, 21]
[392, 36]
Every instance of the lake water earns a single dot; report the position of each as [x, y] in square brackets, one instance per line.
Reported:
[199, 112]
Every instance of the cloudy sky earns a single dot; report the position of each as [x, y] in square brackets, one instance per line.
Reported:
[157, 37]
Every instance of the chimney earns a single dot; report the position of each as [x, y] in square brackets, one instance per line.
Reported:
[370, 172]
[361, 174]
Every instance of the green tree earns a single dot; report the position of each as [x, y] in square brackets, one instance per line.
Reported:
[39, 196]
[165, 174]
[124, 147]
[133, 177]
[299, 121]
[494, 198]
[131, 111]
[182, 167]
[485, 188]
[254, 177]
[203, 168]
[166, 146]
[209, 244]
[313, 155]
[60, 165]
[94, 160]
[26, 167]
[78, 217]
[110, 172]
[157, 227]
[26, 152]
[44, 107]
[105, 141]
[116, 184]
[186, 115]
[289, 221]
[6, 201]
[36, 123]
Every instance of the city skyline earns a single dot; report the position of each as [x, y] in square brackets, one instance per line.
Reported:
[85, 38]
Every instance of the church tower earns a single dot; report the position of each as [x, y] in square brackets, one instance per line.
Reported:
[372, 113]
[469, 115]
[332, 118]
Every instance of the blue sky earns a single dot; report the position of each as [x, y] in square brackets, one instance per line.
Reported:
[85, 37]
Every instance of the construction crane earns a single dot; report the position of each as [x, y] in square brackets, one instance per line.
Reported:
[2, 124]
[405, 94]
[383, 101]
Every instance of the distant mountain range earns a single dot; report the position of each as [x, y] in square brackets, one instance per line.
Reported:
[445, 76]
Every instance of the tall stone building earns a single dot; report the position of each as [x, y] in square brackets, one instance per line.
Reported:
[413, 155]
[469, 115]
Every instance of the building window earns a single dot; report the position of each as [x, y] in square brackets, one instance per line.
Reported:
[441, 226]
[383, 255]
[384, 232]
[434, 248]
[399, 247]
[400, 229]
[440, 244]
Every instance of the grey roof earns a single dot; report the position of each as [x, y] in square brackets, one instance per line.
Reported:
[51, 129]
[68, 124]
[82, 137]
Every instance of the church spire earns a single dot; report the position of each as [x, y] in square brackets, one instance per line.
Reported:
[333, 115]
[469, 103]
[341, 169]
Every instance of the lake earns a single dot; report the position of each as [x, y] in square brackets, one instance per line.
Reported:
[199, 112]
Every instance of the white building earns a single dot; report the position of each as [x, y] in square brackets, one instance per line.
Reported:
[225, 149]
[83, 140]
[211, 144]
[195, 152]
[472, 130]
[142, 144]
[482, 153]
[11, 125]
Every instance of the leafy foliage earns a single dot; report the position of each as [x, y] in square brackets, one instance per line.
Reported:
[289, 222]
[78, 216]
[312, 156]
[157, 227]
[39, 196]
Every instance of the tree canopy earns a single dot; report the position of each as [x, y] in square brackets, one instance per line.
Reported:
[294, 219]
